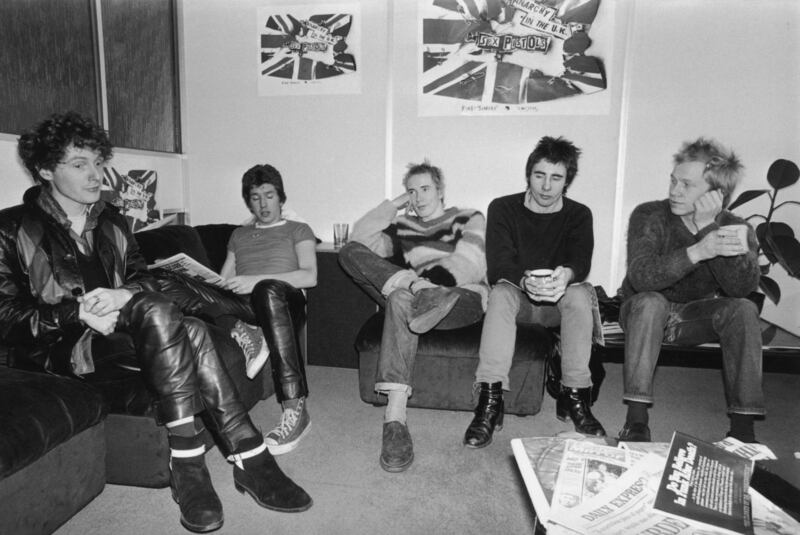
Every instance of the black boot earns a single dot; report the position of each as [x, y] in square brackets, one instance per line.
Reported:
[488, 416]
[261, 477]
[575, 403]
[201, 510]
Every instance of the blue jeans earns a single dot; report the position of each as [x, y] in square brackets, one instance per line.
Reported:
[508, 305]
[649, 319]
[398, 343]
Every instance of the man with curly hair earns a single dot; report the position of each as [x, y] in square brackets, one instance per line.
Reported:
[75, 291]
[689, 275]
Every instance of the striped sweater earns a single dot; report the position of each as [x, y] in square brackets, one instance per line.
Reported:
[454, 241]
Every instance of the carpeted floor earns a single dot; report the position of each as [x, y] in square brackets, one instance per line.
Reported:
[449, 488]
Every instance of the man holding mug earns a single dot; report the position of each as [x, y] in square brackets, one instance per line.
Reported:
[688, 278]
[526, 233]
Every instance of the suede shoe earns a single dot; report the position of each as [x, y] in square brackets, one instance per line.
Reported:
[201, 510]
[260, 476]
[397, 450]
[634, 432]
[429, 307]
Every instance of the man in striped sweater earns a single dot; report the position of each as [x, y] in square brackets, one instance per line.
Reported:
[426, 265]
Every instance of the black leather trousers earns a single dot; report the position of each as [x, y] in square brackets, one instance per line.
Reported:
[275, 306]
[180, 364]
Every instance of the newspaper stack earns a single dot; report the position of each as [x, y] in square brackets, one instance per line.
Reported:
[686, 486]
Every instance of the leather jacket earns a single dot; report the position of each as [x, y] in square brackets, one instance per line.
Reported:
[40, 278]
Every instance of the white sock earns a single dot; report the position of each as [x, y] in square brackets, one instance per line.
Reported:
[396, 408]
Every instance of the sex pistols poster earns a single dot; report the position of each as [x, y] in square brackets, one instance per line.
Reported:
[503, 57]
[309, 49]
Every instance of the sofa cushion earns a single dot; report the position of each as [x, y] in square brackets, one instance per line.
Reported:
[444, 369]
[39, 411]
[164, 242]
[215, 239]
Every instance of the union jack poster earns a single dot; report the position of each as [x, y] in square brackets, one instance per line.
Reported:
[498, 57]
[309, 49]
[134, 195]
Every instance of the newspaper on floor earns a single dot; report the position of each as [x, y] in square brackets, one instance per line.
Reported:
[189, 267]
[754, 452]
[586, 469]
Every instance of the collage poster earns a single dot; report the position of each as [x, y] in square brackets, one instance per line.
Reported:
[309, 50]
[514, 57]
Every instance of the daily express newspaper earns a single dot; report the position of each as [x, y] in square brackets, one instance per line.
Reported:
[586, 469]
[691, 469]
[188, 266]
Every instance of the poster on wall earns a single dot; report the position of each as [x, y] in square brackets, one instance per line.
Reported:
[514, 57]
[309, 49]
[134, 193]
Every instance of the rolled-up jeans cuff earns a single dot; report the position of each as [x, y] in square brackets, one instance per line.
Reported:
[754, 411]
[383, 388]
[638, 398]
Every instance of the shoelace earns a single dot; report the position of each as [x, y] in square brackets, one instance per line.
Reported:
[288, 420]
[245, 342]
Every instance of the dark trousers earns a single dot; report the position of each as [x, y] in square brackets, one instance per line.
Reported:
[649, 319]
[179, 363]
[275, 306]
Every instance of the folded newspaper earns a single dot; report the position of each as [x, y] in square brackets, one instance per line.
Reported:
[188, 266]
[684, 487]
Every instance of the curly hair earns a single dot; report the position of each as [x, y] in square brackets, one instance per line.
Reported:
[44, 145]
[555, 150]
[723, 169]
[258, 175]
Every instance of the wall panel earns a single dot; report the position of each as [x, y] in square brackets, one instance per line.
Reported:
[47, 61]
[141, 74]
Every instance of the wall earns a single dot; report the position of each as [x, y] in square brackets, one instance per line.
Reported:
[678, 69]
[721, 68]
[342, 154]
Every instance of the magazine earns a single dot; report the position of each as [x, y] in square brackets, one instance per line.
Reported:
[705, 483]
[188, 266]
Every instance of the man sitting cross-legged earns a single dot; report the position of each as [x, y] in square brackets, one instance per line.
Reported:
[442, 285]
[75, 291]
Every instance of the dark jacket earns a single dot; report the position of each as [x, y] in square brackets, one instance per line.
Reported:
[40, 279]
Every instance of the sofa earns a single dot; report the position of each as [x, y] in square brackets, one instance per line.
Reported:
[63, 438]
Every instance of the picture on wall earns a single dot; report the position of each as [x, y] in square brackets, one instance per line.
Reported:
[134, 194]
[500, 57]
[313, 49]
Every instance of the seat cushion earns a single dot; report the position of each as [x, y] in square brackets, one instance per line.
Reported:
[39, 411]
[164, 242]
[444, 369]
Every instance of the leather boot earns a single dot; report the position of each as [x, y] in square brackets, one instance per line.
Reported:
[256, 473]
[488, 416]
[575, 403]
[201, 510]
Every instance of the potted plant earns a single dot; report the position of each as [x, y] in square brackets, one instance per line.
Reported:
[777, 241]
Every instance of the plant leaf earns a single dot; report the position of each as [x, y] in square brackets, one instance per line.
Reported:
[747, 196]
[766, 247]
[782, 173]
[781, 229]
[787, 251]
[768, 334]
[770, 289]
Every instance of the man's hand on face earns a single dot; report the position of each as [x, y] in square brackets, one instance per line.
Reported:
[102, 301]
[104, 324]
[706, 208]
[401, 201]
